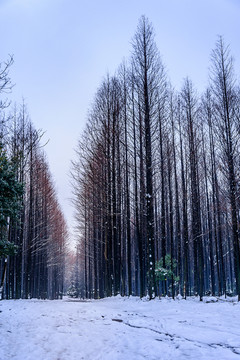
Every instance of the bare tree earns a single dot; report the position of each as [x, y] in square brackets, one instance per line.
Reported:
[226, 121]
[147, 71]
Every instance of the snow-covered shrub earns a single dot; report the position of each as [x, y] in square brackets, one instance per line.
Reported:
[167, 272]
[72, 291]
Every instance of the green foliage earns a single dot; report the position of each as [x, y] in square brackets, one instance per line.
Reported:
[10, 193]
[7, 248]
[72, 291]
[167, 272]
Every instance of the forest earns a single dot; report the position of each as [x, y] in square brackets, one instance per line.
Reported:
[155, 188]
[33, 231]
[156, 181]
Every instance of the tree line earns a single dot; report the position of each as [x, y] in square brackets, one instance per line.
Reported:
[156, 181]
[33, 232]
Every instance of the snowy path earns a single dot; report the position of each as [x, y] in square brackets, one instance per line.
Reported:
[119, 328]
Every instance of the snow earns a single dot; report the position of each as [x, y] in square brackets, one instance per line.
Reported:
[120, 328]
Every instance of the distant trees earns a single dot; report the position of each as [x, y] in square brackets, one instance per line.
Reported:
[32, 226]
[156, 186]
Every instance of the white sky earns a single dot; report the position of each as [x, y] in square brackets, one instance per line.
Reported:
[63, 49]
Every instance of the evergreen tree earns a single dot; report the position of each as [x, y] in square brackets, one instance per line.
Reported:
[10, 193]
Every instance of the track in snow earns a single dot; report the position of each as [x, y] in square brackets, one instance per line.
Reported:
[119, 328]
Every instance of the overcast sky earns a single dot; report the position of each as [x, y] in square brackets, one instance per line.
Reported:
[63, 48]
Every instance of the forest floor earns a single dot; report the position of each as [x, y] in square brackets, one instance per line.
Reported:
[119, 328]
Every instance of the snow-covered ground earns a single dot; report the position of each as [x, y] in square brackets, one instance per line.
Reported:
[119, 328]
